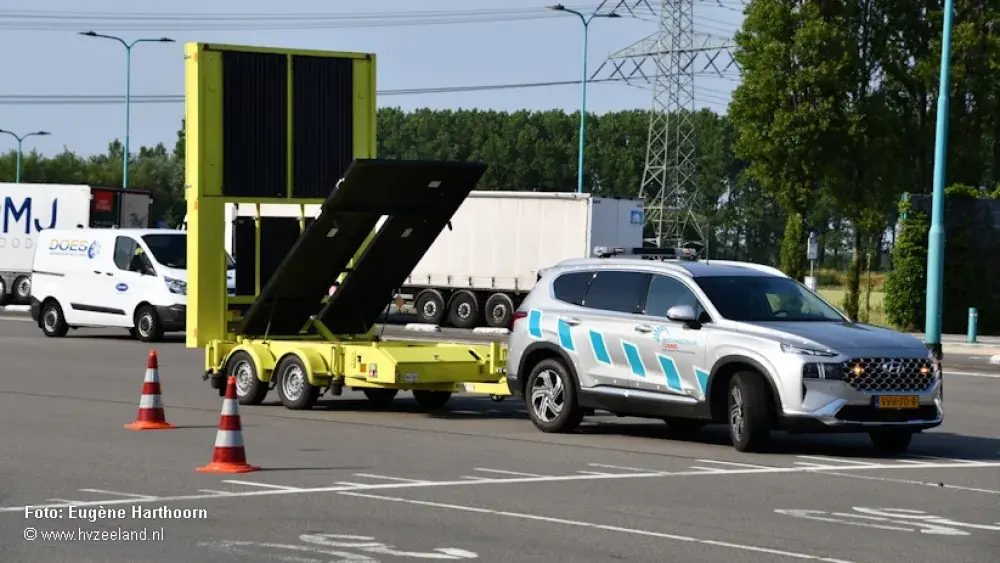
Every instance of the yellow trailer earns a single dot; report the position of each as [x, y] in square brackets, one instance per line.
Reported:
[298, 127]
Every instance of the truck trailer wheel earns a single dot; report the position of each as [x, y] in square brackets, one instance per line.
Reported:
[431, 400]
[380, 398]
[294, 389]
[250, 390]
[22, 290]
[463, 312]
[430, 307]
[499, 311]
[3, 292]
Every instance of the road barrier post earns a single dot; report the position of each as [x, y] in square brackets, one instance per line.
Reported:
[973, 324]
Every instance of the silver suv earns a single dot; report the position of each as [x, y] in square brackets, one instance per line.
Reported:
[695, 342]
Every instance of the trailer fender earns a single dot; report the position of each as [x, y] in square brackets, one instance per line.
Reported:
[317, 370]
[263, 360]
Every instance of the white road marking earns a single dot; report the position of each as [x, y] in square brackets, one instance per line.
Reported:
[909, 461]
[734, 464]
[945, 459]
[264, 485]
[594, 473]
[514, 480]
[504, 472]
[17, 319]
[622, 467]
[605, 527]
[974, 374]
[388, 478]
[834, 459]
[253, 549]
[815, 515]
[708, 469]
[67, 501]
[807, 464]
[212, 491]
[912, 482]
[349, 484]
[474, 478]
[117, 494]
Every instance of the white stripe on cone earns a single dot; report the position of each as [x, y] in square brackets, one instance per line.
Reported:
[150, 402]
[229, 439]
[152, 376]
[231, 407]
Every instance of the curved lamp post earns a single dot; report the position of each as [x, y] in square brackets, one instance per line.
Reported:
[20, 140]
[128, 85]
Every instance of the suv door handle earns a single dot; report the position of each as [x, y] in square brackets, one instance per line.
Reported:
[98, 273]
[571, 321]
[645, 329]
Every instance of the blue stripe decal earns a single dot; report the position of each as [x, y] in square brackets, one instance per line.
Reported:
[702, 376]
[600, 348]
[633, 359]
[670, 371]
[565, 336]
[535, 323]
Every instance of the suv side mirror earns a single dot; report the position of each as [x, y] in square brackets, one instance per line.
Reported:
[683, 314]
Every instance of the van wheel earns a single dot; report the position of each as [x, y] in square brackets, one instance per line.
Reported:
[250, 390]
[147, 324]
[22, 290]
[749, 420]
[294, 389]
[52, 321]
[551, 398]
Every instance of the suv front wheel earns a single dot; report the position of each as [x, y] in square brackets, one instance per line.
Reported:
[551, 398]
[749, 420]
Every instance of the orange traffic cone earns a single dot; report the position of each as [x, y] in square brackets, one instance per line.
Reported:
[151, 415]
[229, 455]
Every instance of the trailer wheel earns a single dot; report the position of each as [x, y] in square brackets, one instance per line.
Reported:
[499, 311]
[3, 292]
[430, 306]
[22, 290]
[431, 400]
[294, 389]
[380, 398]
[250, 390]
[463, 312]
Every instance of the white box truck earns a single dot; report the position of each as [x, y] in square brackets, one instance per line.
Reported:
[31, 208]
[476, 273]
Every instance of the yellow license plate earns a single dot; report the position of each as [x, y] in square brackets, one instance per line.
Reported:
[897, 402]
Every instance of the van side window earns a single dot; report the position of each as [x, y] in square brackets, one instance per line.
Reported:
[617, 291]
[124, 251]
[570, 288]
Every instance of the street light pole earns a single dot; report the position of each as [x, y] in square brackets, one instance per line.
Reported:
[20, 151]
[935, 246]
[128, 88]
[585, 19]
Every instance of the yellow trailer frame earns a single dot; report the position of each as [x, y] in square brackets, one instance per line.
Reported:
[251, 131]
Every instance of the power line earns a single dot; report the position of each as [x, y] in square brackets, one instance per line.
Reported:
[104, 99]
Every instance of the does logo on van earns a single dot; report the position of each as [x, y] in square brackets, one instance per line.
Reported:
[75, 247]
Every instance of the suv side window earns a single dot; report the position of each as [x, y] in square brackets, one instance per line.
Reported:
[616, 291]
[666, 292]
[124, 251]
[572, 287]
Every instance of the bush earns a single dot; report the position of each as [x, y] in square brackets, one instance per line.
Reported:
[793, 248]
[906, 286]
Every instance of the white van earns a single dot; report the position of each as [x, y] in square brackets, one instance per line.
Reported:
[128, 278]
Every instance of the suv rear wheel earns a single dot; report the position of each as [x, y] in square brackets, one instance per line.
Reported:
[891, 440]
[748, 416]
[551, 398]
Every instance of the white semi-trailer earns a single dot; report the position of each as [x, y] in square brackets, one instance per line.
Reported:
[477, 272]
[31, 208]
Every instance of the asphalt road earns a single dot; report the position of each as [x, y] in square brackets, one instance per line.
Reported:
[346, 483]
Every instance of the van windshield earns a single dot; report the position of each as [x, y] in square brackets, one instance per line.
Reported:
[171, 250]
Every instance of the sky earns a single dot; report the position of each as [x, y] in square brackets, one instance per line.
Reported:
[432, 44]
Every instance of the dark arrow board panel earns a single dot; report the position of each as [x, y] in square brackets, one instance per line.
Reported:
[418, 199]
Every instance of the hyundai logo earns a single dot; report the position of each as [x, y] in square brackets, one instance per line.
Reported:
[892, 368]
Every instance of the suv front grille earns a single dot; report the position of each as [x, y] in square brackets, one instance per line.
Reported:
[889, 374]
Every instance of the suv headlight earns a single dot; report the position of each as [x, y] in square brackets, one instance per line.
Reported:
[790, 349]
[176, 286]
[819, 370]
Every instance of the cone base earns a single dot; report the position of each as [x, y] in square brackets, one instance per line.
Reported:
[148, 425]
[227, 467]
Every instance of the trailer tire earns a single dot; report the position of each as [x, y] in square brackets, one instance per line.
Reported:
[3, 292]
[463, 311]
[22, 290]
[250, 390]
[51, 319]
[431, 400]
[294, 389]
[430, 306]
[380, 398]
[499, 311]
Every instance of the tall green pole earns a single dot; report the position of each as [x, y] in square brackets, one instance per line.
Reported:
[935, 251]
[128, 89]
[20, 148]
[585, 19]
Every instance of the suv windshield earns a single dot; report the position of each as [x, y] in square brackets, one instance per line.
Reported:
[171, 250]
[765, 298]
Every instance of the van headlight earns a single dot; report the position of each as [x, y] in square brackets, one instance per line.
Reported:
[176, 286]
